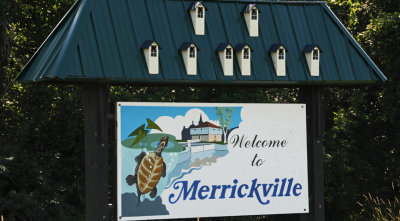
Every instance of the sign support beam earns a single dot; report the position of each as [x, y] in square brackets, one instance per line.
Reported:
[95, 98]
[311, 95]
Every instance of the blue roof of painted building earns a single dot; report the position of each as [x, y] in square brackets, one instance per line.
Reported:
[100, 40]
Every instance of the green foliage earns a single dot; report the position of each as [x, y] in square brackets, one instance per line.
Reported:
[176, 147]
[378, 209]
[137, 131]
[141, 133]
[41, 127]
[362, 140]
[41, 154]
[152, 125]
[224, 115]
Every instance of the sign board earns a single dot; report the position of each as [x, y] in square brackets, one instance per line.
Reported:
[178, 160]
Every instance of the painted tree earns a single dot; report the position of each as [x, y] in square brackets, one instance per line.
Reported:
[225, 119]
[140, 133]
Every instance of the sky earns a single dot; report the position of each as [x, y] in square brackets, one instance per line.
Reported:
[170, 119]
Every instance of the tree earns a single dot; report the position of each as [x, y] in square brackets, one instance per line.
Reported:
[41, 142]
[225, 119]
[362, 141]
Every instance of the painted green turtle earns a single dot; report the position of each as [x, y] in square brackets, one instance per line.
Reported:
[150, 167]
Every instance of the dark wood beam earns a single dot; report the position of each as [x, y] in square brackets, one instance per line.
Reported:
[312, 97]
[95, 100]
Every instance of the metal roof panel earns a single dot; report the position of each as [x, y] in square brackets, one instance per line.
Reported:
[275, 47]
[102, 40]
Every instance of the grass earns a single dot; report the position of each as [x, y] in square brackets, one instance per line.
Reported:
[378, 209]
[150, 138]
[217, 142]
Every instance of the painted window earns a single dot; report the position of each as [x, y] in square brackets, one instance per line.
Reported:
[281, 54]
[254, 14]
[315, 54]
[192, 52]
[153, 51]
[229, 53]
[246, 53]
[200, 12]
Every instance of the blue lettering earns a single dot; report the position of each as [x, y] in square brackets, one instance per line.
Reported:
[213, 190]
[265, 190]
[282, 187]
[279, 188]
[289, 187]
[235, 181]
[240, 194]
[184, 190]
[224, 188]
[296, 187]
[254, 189]
[275, 187]
[203, 189]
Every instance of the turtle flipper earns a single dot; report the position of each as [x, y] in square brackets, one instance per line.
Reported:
[138, 196]
[153, 192]
[131, 179]
[139, 157]
[164, 170]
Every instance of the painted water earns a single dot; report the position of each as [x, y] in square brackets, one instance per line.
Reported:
[178, 165]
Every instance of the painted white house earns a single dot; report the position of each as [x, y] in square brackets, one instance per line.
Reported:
[206, 132]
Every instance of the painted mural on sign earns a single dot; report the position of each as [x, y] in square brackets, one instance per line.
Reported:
[189, 160]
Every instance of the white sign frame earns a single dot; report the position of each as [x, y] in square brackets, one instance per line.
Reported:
[293, 150]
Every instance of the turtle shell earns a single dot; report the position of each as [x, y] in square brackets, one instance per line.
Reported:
[149, 172]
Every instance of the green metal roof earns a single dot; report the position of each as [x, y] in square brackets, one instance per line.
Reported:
[100, 40]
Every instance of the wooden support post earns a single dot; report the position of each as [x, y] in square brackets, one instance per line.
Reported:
[311, 95]
[95, 98]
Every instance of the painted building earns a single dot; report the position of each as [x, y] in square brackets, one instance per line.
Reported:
[186, 130]
[206, 132]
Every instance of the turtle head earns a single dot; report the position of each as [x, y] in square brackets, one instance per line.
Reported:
[161, 146]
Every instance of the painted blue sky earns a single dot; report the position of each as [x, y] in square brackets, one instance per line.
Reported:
[134, 116]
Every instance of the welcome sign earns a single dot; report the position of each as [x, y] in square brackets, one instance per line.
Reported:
[178, 160]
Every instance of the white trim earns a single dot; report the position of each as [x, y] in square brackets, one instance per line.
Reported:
[118, 119]
[168, 104]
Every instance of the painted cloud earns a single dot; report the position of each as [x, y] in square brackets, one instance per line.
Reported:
[175, 125]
